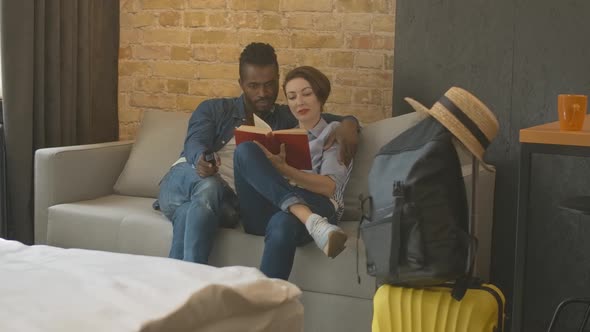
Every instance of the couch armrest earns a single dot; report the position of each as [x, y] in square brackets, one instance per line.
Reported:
[75, 173]
[484, 216]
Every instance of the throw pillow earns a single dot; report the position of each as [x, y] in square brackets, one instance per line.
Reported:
[157, 146]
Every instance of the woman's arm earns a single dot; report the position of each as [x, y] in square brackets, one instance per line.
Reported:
[319, 184]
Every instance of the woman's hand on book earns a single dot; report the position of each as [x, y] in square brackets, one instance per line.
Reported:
[277, 160]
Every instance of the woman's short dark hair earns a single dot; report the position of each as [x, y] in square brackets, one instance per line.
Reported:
[260, 54]
[320, 84]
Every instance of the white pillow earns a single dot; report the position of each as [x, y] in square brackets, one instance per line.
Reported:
[158, 145]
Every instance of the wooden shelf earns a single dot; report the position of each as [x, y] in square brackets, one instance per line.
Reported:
[551, 134]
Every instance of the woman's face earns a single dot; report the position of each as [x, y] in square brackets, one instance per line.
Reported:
[302, 101]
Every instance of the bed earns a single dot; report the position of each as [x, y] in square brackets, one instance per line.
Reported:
[52, 289]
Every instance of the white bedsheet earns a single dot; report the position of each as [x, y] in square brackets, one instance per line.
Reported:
[45, 288]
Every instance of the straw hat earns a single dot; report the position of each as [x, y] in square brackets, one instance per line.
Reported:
[466, 117]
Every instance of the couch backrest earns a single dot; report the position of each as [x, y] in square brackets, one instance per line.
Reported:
[373, 136]
[161, 137]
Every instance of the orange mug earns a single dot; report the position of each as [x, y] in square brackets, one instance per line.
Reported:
[572, 111]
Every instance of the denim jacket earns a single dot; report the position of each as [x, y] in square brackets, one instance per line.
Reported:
[212, 124]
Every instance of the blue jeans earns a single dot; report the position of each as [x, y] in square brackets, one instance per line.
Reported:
[197, 207]
[265, 196]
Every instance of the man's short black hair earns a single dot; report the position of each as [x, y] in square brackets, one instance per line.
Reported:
[260, 54]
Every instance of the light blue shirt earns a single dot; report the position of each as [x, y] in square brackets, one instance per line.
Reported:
[325, 162]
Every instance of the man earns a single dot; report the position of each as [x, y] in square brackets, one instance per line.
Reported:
[197, 194]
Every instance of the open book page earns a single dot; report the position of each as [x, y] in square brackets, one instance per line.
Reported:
[259, 123]
[250, 133]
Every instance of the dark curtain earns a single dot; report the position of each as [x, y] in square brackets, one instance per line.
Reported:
[59, 73]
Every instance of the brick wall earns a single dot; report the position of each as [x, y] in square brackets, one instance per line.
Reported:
[176, 53]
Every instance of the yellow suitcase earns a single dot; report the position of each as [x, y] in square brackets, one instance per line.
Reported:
[432, 309]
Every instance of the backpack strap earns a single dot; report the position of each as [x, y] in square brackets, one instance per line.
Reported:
[398, 206]
[362, 200]
[463, 283]
[472, 214]
[358, 235]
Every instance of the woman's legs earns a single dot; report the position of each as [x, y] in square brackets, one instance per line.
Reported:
[285, 232]
[254, 171]
[262, 191]
[255, 209]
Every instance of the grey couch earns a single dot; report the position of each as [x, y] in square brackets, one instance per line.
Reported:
[100, 197]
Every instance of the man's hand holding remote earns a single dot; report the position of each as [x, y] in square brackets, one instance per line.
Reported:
[208, 164]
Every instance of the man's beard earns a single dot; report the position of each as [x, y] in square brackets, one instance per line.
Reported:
[267, 106]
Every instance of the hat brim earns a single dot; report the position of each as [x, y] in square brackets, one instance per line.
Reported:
[418, 107]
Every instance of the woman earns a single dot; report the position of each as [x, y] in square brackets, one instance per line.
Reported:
[288, 206]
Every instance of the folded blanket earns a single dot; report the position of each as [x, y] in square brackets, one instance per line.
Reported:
[52, 289]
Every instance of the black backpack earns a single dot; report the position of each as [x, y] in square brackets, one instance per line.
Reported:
[415, 221]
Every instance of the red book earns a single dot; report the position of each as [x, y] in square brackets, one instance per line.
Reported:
[295, 140]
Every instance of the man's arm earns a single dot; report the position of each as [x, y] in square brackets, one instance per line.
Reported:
[329, 117]
[346, 135]
[200, 134]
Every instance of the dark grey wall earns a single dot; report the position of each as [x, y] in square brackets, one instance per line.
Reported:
[516, 56]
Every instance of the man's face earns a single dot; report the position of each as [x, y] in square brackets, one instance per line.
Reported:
[260, 85]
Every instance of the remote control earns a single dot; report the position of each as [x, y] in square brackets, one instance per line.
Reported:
[210, 158]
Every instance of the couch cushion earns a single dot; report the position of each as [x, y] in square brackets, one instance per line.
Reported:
[373, 136]
[158, 144]
[111, 223]
[129, 225]
[312, 270]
